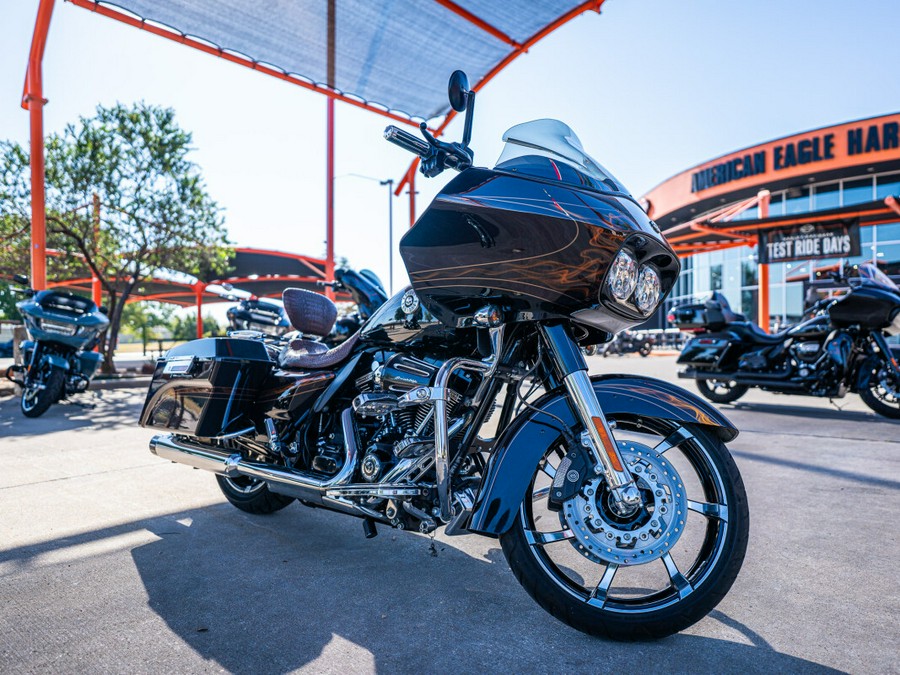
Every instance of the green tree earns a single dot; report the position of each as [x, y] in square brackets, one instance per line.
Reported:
[185, 327]
[155, 214]
[142, 318]
[8, 301]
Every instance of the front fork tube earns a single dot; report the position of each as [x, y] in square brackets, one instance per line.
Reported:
[598, 437]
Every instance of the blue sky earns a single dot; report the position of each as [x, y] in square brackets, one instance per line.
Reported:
[651, 87]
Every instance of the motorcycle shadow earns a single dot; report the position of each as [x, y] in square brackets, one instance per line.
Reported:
[304, 588]
[109, 409]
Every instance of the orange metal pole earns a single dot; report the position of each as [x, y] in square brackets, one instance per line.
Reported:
[329, 199]
[412, 197]
[33, 100]
[96, 288]
[198, 291]
[763, 271]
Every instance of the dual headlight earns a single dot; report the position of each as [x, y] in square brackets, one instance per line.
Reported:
[639, 284]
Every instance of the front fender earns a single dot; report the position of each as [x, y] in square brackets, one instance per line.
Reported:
[523, 444]
[56, 361]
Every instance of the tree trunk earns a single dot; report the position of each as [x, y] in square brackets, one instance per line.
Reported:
[116, 307]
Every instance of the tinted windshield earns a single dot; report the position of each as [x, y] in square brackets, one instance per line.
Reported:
[872, 274]
[550, 149]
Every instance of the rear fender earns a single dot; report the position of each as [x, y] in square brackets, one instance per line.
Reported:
[523, 444]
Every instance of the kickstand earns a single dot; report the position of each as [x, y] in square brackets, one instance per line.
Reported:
[840, 408]
[432, 549]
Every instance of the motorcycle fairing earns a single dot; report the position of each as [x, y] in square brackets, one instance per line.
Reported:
[531, 434]
[539, 249]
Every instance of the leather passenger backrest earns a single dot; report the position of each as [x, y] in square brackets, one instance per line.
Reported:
[309, 312]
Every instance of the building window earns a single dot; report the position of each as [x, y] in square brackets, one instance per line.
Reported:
[748, 273]
[827, 197]
[797, 201]
[888, 184]
[776, 205]
[858, 191]
[715, 277]
[749, 304]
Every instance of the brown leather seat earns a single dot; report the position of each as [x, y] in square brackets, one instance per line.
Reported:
[307, 354]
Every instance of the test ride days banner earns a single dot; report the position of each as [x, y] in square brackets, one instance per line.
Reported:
[810, 241]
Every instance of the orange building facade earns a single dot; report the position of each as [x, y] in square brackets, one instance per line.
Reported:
[766, 225]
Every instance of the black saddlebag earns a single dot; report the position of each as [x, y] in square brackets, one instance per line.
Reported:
[706, 351]
[206, 387]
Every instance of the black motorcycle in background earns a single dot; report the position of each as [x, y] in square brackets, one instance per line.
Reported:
[627, 342]
[840, 346]
[367, 293]
[58, 360]
[614, 498]
[269, 317]
[257, 314]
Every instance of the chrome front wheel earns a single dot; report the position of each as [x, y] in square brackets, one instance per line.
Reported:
[644, 574]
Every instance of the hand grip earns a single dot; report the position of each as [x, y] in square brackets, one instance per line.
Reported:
[407, 141]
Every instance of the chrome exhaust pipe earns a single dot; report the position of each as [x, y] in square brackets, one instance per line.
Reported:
[183, 452]
[279, 479]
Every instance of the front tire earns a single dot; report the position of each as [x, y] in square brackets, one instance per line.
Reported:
[251, 495]
[882, 393]
[35, 402]
[650, 596]
[721, 391]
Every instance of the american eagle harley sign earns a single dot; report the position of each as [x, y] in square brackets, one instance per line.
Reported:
[810, 241]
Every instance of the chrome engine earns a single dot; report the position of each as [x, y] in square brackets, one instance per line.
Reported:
[393, 416]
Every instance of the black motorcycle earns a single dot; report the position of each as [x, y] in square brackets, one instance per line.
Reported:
[257, 314]
[840, 346]
[615, 500]
[628, 342]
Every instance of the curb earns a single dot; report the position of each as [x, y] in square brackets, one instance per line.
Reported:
[7, 388]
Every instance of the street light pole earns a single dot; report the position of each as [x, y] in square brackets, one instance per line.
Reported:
[390, 183]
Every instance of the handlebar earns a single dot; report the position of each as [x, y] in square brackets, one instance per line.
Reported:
[407, 141]
[436, 155]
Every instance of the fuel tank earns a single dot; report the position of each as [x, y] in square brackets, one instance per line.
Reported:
[870, 307]
[405, 321]
[539, 249]
[816, 327]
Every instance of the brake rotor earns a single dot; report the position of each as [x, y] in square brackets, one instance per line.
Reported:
[645, 535]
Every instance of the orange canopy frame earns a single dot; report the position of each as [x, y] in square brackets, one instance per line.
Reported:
[511, 30]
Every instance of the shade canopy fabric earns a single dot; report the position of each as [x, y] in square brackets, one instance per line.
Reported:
[395, 54]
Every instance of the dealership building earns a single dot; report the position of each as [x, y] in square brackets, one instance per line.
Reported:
[766, 224]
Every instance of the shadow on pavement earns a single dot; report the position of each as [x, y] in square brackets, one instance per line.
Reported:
[272, 594]
[864, 478]
[106, 408]
[808, 412]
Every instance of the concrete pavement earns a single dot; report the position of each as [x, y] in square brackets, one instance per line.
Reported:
[112, 560]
